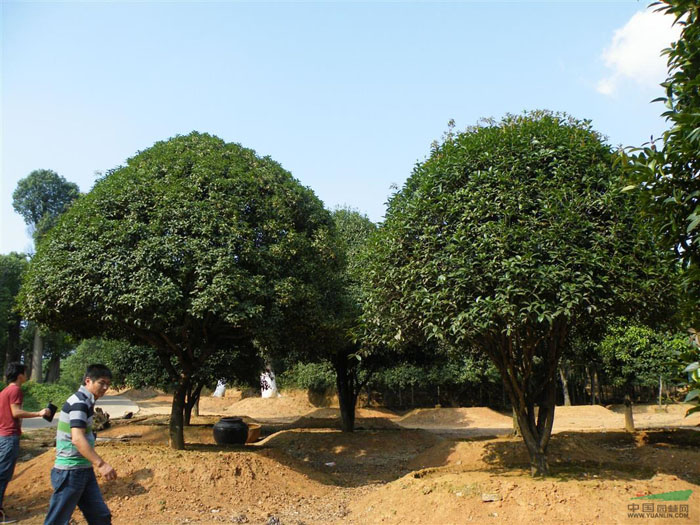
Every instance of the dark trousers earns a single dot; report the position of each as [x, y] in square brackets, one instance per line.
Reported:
[79, 488]
[9, 452]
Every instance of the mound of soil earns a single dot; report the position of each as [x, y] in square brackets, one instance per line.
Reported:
[487, 481]
[585, 417]
[651, 416]
[462, 417]
[286, 408]
[353, 459]
[275, 408]
[481, 497]
[322, 476]
[140, 394]
[160, 485]
[331, 413]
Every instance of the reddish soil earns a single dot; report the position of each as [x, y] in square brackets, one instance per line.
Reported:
[430, 466]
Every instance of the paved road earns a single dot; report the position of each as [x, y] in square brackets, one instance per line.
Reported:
[115, 406]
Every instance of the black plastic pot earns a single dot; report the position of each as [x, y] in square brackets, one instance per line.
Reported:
[230, 431]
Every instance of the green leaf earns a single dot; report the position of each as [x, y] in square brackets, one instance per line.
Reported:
[691, 367]
[693, 394]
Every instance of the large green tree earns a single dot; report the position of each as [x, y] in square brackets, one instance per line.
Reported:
[502, 240]
[667, 171]
[195, 247]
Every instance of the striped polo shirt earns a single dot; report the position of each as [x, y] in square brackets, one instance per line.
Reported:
[77, 412]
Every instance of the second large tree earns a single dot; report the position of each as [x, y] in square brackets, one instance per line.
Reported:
[506, 237]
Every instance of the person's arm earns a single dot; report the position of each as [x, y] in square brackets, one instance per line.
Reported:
[80, 441]
[18, 413]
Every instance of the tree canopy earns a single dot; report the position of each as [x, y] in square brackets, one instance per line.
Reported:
[505, 237]
[337, 340]
[667, 171]
[638, 355]
[41, 197]
[12, 266]
[195, 247]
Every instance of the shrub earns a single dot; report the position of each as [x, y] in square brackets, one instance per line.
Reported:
[316, 377]
[38, 395]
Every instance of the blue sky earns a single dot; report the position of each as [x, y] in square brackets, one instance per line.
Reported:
[347, 96]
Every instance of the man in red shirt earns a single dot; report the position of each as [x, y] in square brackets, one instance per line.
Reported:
[11, 415]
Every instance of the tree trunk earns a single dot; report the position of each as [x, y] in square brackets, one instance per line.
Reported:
[589, 380]
[37, 355]
[12, 354]
[536, 431]
[27, 359]
[629, 417]
[596, 388]
[177, 427]
[187, 415]
[535, 441]
[661, 389]
[564, 387]
[347, 397]
[516, 426]
[53, 370]
[192, 401]
[525, 389]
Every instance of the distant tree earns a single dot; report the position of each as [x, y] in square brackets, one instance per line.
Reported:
[41, 197]
[353, 230]
[57, 346]
[503, 239]
[233, 366]
[336, 340]
[636, 355]
[196, 248]
[12, 267]
[444, 373]
[314, 377]
[95, 350]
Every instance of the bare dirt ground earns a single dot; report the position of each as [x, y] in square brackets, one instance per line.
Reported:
[435, 466]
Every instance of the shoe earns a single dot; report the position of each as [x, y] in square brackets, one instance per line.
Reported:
[4, 519]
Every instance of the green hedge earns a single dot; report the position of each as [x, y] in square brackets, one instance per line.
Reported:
[317, 377]
[38, 395]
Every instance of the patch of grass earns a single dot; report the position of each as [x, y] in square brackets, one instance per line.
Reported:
[468, 489]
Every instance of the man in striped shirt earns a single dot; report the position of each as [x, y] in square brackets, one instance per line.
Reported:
[72, 477]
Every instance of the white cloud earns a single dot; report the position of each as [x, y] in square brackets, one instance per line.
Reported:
[635, 51]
